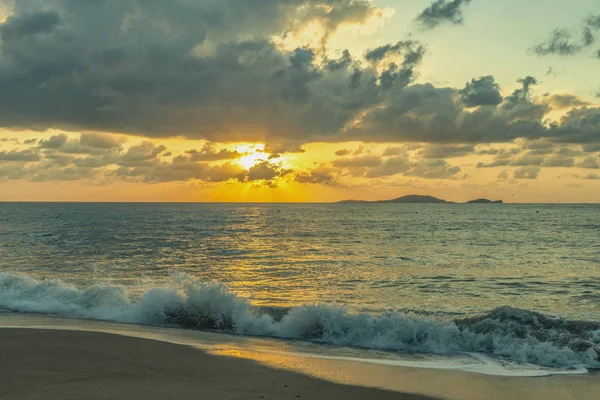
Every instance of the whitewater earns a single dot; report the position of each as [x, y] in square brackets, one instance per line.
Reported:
[517, 335]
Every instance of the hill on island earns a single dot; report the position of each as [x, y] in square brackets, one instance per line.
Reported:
[418, 199]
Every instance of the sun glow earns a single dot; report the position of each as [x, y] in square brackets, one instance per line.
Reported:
[252, 154]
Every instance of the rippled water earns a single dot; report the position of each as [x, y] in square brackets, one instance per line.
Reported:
[432, 279]
[432, 259]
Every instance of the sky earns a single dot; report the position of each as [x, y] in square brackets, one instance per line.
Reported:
[299, 100]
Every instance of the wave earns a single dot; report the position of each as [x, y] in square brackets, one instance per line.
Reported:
[518, 335]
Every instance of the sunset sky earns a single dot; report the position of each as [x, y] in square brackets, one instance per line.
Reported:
[299, 100]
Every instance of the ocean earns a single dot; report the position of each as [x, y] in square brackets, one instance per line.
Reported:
[518, 284]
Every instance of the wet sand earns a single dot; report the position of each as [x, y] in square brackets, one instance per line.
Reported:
[41, 364]
[73, 364]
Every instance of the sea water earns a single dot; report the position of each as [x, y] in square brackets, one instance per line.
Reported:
[516, 283]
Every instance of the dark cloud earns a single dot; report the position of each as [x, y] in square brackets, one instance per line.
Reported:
[559, 162]
[375, 167]
[590, 162]
[20, 155]
[554, 158]
[394, 151]
[442, 11]
[283, 148]
[181, 169]
[397, 75]
[158, 69]
[446, 151]
[360, 162]
[140, 153]
[425, 113]
[580, 125]
[320, 175]
[55, 142]
[559, 42]
[212, 70]
[264, 171]
[208, 153]
[591, 147]
[568, 42]
[481, 92]
[433, 169]
[343, 152]
[391, 166]
[30, 24]
[501, 153]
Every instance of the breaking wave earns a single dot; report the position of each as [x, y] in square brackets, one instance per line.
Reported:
[518, 335]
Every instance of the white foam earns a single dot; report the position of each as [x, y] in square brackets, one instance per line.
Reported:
[193, 304]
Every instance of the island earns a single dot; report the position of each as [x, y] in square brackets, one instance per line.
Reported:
[485, 201]
[418, 199]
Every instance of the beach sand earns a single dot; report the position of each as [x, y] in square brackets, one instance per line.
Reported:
[57, 364]
[40, 364]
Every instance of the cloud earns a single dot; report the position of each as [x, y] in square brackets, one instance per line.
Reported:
[591, 147]
[590, 162]
[500, 153]
[481, 92]
[264, 171]
[20, 155]
[97, 158]
[373, 166]
[218, 71]
[87, 143]
[195, 68]
[560, 42]
[555, 157]
[565, 101]
[100, 141]
[527, 173]
[391, 166]
[442, 11]
[394, 75]
[320, 175]
[358, 162]
[28, 25]
[447, 151]
[343, 152]
[209, 153]
[425, 113]
[569, 42]
[433, 169]
[140, 153]
[394, 151]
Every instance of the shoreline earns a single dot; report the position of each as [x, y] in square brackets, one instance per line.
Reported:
[83, 363]
[48, 364]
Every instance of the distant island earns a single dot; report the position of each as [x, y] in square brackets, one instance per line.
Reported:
[485, 201]
[417, 199]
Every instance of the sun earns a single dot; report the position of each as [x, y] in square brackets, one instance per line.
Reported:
[250, 160]
[252, 154]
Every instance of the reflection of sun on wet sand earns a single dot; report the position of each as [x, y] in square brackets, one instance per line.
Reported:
[37, 364]
[42, 364]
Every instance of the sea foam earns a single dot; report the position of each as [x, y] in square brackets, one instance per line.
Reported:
[518, 335]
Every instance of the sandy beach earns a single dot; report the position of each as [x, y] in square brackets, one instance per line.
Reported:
[72, 364]
[40, 364]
